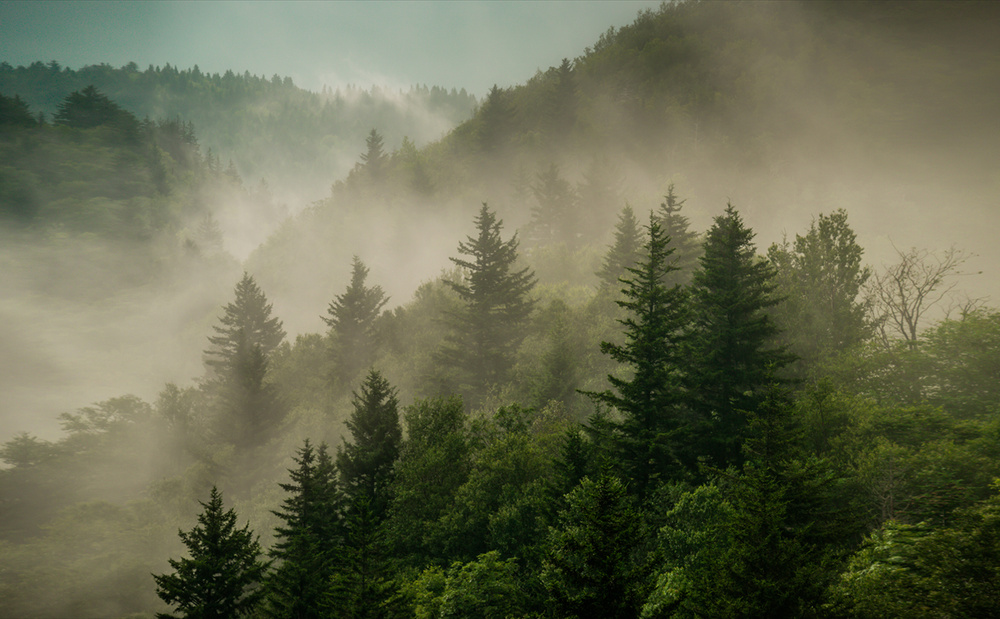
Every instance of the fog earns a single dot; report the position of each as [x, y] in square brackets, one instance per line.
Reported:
[84, 318]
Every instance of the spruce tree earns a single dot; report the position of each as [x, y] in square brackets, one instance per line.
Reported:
[732, 354]
[625, 252]
[249, 411]
[366, 471]
[486, 332]
[352, 317]
[222, 577]
[366, 464]
[245, 324]
[307, 544]
[651, 400]
[683, 241]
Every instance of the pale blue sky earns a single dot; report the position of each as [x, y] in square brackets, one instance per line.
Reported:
[456, 44]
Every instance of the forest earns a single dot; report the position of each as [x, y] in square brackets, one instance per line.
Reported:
[609, 343]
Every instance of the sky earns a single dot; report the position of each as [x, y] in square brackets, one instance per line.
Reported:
[471, 45]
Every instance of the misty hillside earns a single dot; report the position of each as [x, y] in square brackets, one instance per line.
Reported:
[297, 141]
[700, 323]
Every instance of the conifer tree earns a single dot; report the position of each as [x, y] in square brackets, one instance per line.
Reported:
[307, 544]
[553, 218]
[683, 241]
[366, 464]
[249, 409]
[246, 324]
[595, 566]
[487, 330]
[374, 158]
[651, 401]
[366, 470]
[222, 577]
[732, 354]
[352, 317]
[625, 252]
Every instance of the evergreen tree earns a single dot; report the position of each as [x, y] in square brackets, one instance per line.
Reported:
[374, 158]
[246, 325]
[222, 577]
[366, 470]
[249, 409]
[88, 108]
[352, 317]
[731, 355]
[490, 326]
[651, 401]
[15, 113]
[307, 544]
[553, 218]
[494, 121]
[624, 253]
[595, 566]
[366, 464]
[684, 242]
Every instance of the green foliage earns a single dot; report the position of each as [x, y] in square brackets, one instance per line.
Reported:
[485, 587]
[223, 574]
[306, 547]
[434, 463]
[917, 571]
[820, 278]
[684, 242]
[366, 464]
[624, 253]
[731, 353]
[246, 325]
[595, 566]
[649, 436]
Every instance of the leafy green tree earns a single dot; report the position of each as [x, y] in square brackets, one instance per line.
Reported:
[486, 332]
[650, 444]
[595, 566]
[434, 463]
[820, 279]
[222, 578]
[487, 587]
[916, 571]
[732, 354]
[307, 544]
[351, 318]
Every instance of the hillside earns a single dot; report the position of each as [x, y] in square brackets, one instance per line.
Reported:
[298, 141]
[642, 337]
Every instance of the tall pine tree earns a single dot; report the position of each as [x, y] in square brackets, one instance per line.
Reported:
[306, 545]
[732, 355]
[352, 317]
[486, 332]
[651, 401]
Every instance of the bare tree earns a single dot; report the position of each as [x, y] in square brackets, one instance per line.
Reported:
[903, 293]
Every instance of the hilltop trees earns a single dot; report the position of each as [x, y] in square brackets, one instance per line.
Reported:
[485, 333]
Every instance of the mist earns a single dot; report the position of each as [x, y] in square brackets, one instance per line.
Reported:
[121, 270]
